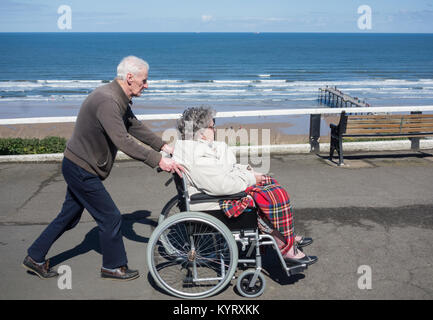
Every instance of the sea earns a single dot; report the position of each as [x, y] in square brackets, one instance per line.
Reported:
[50, 74]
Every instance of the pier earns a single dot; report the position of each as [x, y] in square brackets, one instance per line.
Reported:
[336, 98]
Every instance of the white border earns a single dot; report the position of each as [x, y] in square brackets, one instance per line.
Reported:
[234, 114]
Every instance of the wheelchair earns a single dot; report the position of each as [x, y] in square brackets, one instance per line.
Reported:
[195, 255]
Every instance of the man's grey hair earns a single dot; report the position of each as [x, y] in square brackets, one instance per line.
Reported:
[194, 119]
[131, 64]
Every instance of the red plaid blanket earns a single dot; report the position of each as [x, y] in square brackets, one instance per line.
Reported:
[274, 205]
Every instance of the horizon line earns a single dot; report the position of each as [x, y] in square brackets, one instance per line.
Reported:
[198, 32]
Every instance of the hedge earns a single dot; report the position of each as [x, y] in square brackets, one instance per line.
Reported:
[11, 146]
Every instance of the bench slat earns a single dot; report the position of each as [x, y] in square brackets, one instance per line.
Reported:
[390, 135]
[426, 120]
[392, 130]
[426, 126]
[397, 121]
[411, 130]
[390, 116]
[417, 125]
[371, 125]
[372, 131]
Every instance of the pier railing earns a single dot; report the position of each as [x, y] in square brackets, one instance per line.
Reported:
[334, 97]
[315, 116]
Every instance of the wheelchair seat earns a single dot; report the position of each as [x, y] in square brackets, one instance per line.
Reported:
[246, 221]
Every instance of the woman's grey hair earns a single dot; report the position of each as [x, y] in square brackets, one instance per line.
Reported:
[194, 119]
[131, 64]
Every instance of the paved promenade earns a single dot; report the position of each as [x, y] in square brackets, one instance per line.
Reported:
[377, 212]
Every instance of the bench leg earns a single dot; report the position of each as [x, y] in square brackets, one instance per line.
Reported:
[315, 133]
[414, 144]
[336, 145]
[340, 152]
[331, 149]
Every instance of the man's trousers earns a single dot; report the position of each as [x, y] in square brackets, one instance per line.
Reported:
[85, 191]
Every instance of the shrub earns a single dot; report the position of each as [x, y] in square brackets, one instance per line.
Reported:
[11, 146]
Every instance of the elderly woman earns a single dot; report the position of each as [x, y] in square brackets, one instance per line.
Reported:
[211, 168]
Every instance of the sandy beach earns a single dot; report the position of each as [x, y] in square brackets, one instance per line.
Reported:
[280, 132]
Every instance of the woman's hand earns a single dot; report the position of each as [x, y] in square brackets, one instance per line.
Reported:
[260, 178]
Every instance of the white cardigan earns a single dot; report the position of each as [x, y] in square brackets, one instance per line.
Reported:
[211, 168]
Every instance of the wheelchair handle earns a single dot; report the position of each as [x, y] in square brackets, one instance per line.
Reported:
[165, 155]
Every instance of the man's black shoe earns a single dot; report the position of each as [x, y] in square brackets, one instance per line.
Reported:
[122, 273]
[43, 271]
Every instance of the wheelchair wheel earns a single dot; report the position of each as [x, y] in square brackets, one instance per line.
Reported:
[247, 289]
[202, 259]
[172, 207]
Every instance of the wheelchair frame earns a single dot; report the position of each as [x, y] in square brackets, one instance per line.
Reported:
[250, 283]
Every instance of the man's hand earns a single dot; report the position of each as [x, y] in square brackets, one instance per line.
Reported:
[170, 165]
[167, 149]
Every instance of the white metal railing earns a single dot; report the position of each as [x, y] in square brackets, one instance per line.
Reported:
[234, 114]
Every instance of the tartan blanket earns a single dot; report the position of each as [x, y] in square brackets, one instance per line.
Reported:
[274, 210]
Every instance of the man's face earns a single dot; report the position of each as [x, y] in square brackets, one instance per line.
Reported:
[137, 83]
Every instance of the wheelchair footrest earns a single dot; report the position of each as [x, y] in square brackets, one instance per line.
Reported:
[292, 270]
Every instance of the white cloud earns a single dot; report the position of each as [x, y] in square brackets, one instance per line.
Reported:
[206, 18]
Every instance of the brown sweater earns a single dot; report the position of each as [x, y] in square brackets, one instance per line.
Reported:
[105, 124]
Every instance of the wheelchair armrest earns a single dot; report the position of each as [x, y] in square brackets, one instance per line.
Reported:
[203, 197]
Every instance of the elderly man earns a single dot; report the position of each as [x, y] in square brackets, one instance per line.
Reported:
[104, 124]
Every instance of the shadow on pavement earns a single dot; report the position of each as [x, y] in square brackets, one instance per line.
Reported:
[274, 270]
[271, 268]
[153, 284]
[91, 240]
[356, 155]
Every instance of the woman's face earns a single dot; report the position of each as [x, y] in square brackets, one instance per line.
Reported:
[209, 132]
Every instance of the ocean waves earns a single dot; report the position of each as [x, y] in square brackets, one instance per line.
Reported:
[242, 90]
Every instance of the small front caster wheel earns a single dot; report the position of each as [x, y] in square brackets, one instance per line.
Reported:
[248, 289]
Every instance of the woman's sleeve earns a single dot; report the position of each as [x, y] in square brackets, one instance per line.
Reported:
[217, 175]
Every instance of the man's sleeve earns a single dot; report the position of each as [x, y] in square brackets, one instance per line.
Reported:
[110, 118]
[142, 132]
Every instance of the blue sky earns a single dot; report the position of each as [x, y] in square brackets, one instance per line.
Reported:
[217, 16]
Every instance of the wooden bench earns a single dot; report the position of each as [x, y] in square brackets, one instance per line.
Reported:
[412, 126]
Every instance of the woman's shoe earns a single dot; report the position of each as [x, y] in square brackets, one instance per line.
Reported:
[308, 260]
[304, 242]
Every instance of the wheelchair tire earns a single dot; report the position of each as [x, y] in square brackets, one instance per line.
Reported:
[171, 208]
[202, 256]
[244, 281]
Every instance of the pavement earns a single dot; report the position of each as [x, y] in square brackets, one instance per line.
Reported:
[371, 220]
